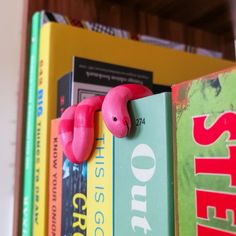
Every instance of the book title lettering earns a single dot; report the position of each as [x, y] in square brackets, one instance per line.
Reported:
[40, 90]
[143, 175]
[99, 194]
[222, 202]
[80, 205]
[40, 102]
[54, 209]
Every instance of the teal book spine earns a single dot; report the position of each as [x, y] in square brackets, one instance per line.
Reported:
[27, 211]
[143, 200]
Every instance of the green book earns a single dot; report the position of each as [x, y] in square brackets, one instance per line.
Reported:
[38, 19]
[27, 211]
[204, 112]
[143, 171]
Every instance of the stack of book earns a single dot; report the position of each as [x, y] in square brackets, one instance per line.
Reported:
[127, 186]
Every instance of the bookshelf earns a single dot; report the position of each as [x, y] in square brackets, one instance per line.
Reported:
[197, 23]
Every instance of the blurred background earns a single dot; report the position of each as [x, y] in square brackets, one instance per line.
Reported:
[10, 45]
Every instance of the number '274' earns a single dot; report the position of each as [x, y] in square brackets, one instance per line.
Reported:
[139, 121]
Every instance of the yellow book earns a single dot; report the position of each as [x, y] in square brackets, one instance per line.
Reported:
[58, 44]
[100, 182]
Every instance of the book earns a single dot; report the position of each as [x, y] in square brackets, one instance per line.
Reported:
[205, 52]
[55, 177]
[64, 87]
[209, 53]
[29, 151]
[100, 182]
[161, 42]
[204, 118]
[97, 27]
[38, 20]
[73, 179]
[92, 26]
[114, 173]
[88, 78]
[93, 77]
[158, 88]
[143, 171]
[58, 44]
[72, 182]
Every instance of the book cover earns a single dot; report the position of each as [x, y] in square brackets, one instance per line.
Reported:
[28, 182]
[94, 77]
[100, 181]
[55, 176]
[204, 117]
[58, 44]
[143, 171]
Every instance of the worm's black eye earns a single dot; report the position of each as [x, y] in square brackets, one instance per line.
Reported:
[114, 119]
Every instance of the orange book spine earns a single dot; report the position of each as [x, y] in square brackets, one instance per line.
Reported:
[55, 183]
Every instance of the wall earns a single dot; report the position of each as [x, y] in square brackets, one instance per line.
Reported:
[10, 40]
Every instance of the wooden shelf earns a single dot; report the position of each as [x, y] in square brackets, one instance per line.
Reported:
[212, 16]
[198, 23]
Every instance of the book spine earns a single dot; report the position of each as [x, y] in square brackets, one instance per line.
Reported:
[42, 135]
[55, 183]
[170, 165]
[27, 211]
[74, 179]
[143, 171]
[64, 85]
[100, 182]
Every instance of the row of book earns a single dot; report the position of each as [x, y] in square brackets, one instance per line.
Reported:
[108, 195]
[127, 185]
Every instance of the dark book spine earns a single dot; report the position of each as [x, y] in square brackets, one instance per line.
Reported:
[64, 93]
[158, 88]
[74, 177]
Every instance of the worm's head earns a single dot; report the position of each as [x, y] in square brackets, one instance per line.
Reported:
[117, 119]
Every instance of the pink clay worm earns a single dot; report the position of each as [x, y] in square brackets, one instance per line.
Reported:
[114, 108]
[76, 127]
